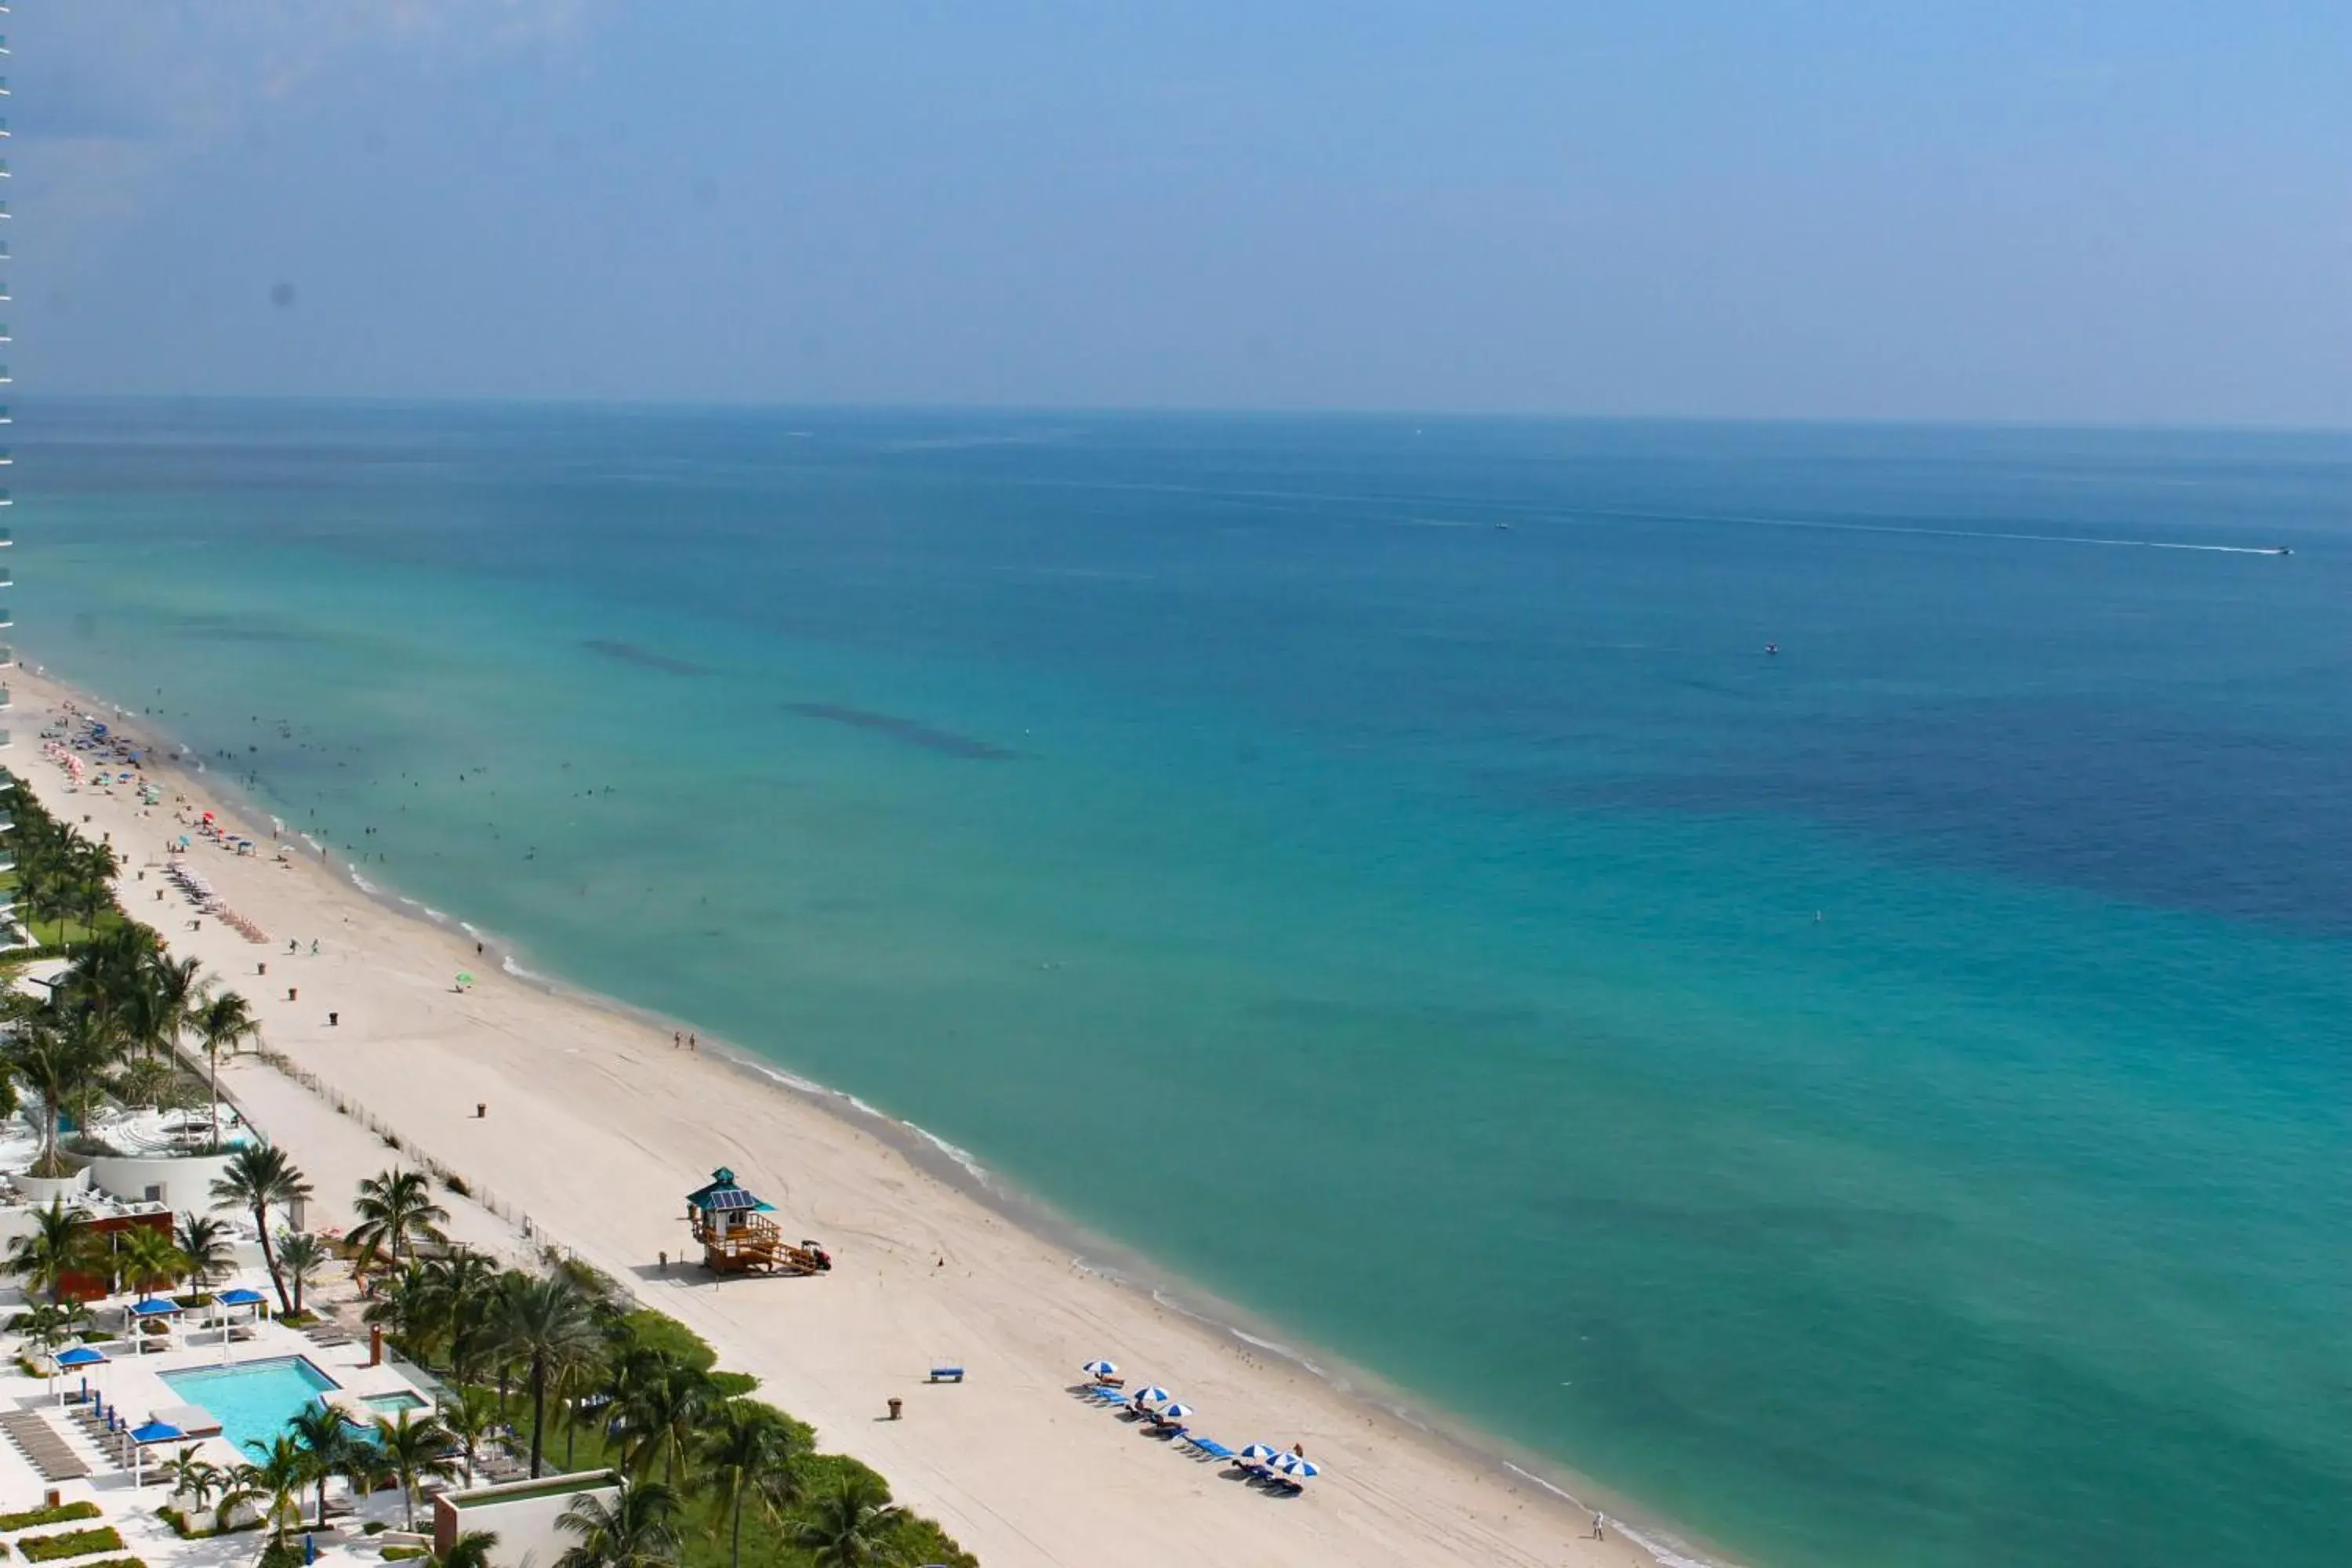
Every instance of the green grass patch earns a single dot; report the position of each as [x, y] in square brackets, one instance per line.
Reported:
[62, 1514]
[72, 1544]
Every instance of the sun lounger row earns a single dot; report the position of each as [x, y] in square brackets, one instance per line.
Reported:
[1260, 1463]
[327, 1334]
[44, 1445]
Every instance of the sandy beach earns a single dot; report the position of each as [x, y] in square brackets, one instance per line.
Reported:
[595, 1126]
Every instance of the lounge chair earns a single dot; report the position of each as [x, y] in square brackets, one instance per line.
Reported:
[1208, 1447]
[946, 1374]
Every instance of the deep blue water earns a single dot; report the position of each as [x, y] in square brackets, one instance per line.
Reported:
[1882, 1101]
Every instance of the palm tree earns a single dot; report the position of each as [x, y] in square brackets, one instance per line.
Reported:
[224, 1023]
[543, 1321]
[659, 1406]
[205, 1243]
[95, 865]
[851, 1526]
[470, 1550]
[276, 1481]
[51, 1324]
[260, 1177]
[60, 1061]
[59, 1244]
[96, 1037]
[365, 1467]
[638, 1529]
[326, 1444]
[417, 1451]
[145, 1259]
[195, 1478]
[303, 1257]
[467, 1293]
[167, 992]
[396, 1210]
[470, 1418]
[748, 1460]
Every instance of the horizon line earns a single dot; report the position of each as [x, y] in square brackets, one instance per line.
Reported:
[1206, 411]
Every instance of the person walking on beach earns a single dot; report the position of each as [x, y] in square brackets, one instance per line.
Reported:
[1597, 1532]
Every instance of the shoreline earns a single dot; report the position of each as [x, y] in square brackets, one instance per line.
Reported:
[1555, 1513]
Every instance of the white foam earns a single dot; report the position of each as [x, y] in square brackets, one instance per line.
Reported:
[1668, 1555]
[1270, 1346]
[1665, 1554]
[362, 884]
[507, 962]
[963, 1157]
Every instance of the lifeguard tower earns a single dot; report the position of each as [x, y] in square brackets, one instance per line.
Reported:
[736, 1236]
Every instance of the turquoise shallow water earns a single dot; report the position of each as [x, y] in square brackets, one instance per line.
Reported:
[1883, 1101]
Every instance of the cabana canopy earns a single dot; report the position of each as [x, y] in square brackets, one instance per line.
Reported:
[240, 1296]
[80, 1355]
[155, 1307]
[156, 1432]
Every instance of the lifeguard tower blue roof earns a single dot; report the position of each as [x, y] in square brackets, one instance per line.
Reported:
[722, 1195]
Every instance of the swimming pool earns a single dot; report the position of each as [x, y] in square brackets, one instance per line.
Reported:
[393, 1404]
[253, 1400]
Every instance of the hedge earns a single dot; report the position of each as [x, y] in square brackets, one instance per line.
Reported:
[57, 1515]
[72, 1544]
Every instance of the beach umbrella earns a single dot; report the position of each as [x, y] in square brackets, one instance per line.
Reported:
[1257, 1453]
[1155, 1394]
[1174, 1411]
[1100, 1369]
[1297, 1467]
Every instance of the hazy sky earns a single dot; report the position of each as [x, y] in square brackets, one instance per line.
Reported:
[2139, 211]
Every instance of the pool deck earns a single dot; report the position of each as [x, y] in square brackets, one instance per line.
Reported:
[135, 1383]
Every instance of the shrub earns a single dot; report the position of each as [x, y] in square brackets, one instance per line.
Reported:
[402, 1553]
[58, 1515]
[373, 1526]
[114, 1563]
[457, 1184]
[72, 1544]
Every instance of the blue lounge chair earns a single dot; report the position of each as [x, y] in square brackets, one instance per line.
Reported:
[1208, 1446]
[946, 1374]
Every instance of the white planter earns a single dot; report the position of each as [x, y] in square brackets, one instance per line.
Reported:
[45, 1190]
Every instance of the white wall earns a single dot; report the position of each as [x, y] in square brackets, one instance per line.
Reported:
[186, 1179]
[525, 1526]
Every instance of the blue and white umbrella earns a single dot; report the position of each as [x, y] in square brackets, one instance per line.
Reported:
[1174, 1411]
[1257, 1453]
[1297, 1467]
[1155, 1394]
[1100, 1369]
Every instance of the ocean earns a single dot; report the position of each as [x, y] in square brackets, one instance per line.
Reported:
[1883, 1100]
